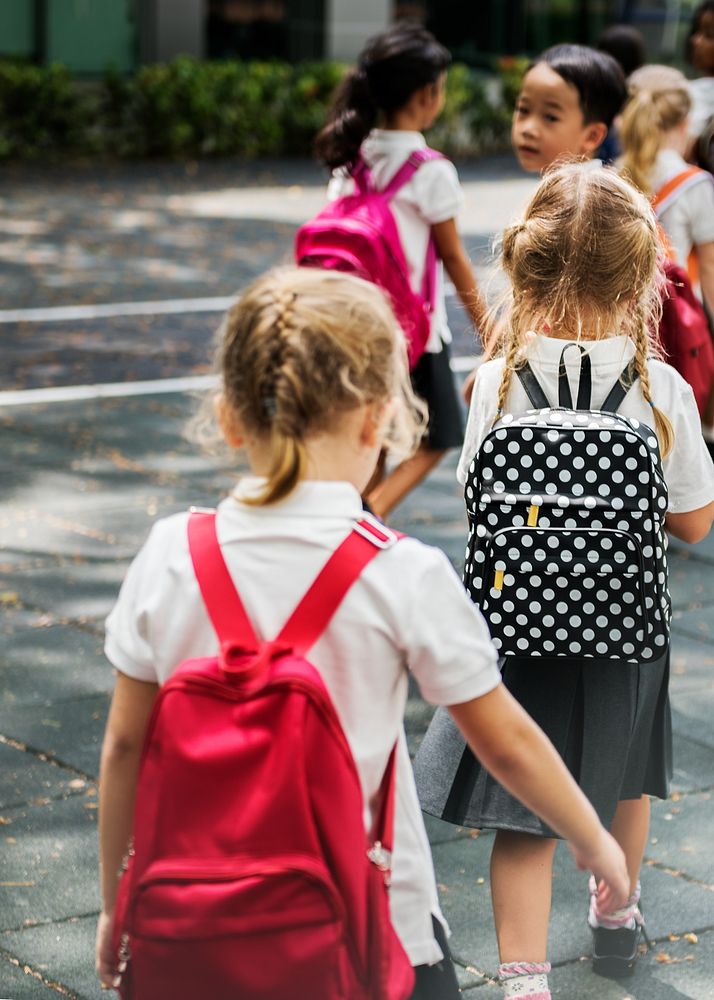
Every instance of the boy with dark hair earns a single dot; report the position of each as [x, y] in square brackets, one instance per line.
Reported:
[568, 100]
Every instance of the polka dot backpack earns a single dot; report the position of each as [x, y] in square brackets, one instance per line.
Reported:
[566, 554]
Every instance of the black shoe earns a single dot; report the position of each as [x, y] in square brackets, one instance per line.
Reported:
[615, 952]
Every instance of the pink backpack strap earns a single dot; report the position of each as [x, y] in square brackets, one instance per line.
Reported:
[402, 177]
[409, 168]
[362, 176]
[312, 615]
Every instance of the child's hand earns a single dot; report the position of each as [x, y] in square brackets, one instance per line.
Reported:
[607, 863]
[105, 961]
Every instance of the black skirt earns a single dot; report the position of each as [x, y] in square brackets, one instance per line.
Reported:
[433, 381]
[610, 721]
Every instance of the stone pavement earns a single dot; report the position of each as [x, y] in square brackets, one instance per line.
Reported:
[81, 482]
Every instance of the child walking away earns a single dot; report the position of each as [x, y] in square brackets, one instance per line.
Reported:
[580, 449]
[399, 83]
[654, 133]
[266, 776]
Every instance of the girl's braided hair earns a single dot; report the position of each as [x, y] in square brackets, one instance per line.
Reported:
[302, 347]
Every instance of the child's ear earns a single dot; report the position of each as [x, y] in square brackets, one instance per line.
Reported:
[376, 418]
[594, 136]
[229, 423]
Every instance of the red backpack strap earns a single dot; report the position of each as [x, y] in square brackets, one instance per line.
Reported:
[224, 606]
[409, 168]
[312, 615]
[382, 833]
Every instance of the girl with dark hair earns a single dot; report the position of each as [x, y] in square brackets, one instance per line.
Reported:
[700, 53]
[380, 110]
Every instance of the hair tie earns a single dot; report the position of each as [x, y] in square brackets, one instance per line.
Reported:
[270, 407]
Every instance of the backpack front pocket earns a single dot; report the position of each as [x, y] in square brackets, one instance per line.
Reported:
[234, 927]
[565, 592]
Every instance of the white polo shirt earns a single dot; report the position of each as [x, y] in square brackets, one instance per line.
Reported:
[432, 195]
[688, 469]
[689, 219]
[701, 91]
[407, 612]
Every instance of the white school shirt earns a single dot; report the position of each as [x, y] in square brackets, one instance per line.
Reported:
[701, 91]
[688, 469]
[408, 611]
[689, 220]
[432, 195]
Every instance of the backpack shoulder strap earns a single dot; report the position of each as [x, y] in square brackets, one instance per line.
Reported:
[620, 389]
[676, 185]
[312, 615]
[407, 170]
[223, 604]
[532, 387]
[362, 176]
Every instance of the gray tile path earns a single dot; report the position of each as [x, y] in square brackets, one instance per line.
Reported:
[80, 484]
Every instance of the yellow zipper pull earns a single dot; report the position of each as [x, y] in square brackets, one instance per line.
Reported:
[533, 512]
[498, 579]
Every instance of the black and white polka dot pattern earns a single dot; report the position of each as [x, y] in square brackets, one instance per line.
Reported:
[567, 549]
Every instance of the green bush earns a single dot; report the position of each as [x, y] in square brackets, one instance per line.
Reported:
[41, 111]
[189, 108]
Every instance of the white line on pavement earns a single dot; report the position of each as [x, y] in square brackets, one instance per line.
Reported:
[153, 387]
[62, 314]
[105, 390]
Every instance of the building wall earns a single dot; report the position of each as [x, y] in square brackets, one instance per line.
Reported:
[349, 23]
[172, 27]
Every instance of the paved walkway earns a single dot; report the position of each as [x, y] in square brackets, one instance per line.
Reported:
[80, 483]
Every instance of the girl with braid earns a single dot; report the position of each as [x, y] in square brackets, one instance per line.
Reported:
[313, 383]
[584, 268]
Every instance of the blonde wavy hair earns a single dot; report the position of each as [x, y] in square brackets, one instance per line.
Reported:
[300, 348]
[585, 263]
[658, 101]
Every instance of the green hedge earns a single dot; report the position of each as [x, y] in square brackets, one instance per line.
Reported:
[188, 108]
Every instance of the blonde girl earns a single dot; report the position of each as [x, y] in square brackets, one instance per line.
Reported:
[313, 384]
[583, 266]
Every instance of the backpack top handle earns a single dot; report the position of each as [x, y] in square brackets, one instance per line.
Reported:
[612, 402]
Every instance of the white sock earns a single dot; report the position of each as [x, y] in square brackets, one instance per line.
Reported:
[525, 979]
[627, 916]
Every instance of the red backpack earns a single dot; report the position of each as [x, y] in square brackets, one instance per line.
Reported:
[684, 332]
[250, 874]
[357, 233]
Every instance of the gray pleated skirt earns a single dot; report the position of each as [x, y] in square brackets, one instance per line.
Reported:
[610, 722]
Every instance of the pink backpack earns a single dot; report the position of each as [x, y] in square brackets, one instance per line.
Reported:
[357, 233]
[251, 874]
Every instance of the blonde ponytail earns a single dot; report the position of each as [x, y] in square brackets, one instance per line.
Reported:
[641, 137]
[287, 469]
[659, 101]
